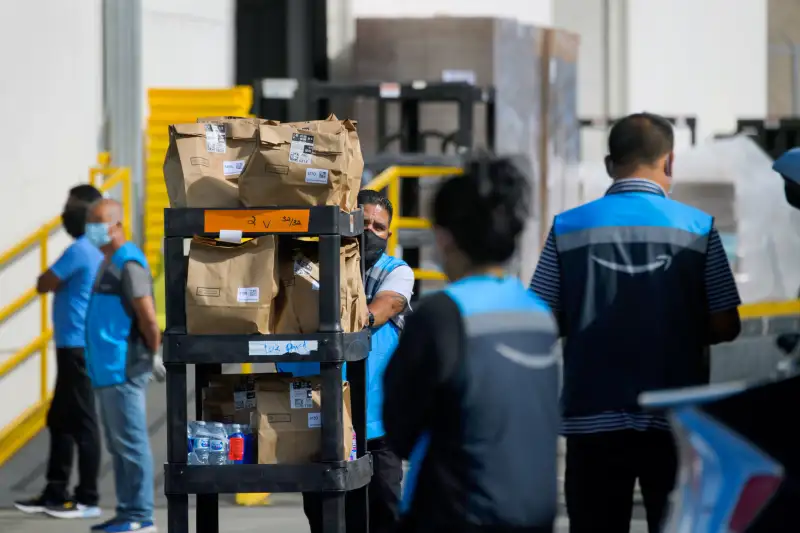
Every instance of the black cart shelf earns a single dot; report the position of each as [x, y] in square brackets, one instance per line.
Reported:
[330, 346]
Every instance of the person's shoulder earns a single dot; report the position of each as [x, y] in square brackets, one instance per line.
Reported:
[435, 305]
[86, 250]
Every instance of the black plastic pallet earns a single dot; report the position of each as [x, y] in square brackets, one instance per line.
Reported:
[331, 477]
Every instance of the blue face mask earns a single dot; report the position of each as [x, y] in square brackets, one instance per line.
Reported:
[97, 233]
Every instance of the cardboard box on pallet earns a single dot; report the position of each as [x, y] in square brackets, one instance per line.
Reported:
[230, 288]
[304, 164]
[205, 159]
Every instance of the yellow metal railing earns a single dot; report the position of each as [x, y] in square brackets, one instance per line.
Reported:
[389, 179]
[20, 430]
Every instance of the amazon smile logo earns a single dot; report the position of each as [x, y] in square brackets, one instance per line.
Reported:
[662, 261]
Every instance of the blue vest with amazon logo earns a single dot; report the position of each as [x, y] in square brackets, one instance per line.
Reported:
[115, 349]
[633, 306]
[384, 342]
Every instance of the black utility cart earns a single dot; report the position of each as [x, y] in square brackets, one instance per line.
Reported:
[330, 346]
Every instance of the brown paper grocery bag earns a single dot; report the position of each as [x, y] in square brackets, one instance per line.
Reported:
[355, 159]
[288, 420]
[304, 166]
[297, 304]
[230, 287]
[204, 161]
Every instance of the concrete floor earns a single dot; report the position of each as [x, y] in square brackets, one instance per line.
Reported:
[284, 516]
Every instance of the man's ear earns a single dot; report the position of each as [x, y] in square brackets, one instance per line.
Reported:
[668, 164]
[389, 234]
[609, 166]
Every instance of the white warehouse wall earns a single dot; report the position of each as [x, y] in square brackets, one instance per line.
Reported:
[533, 11]
[50, 101]
[674, 57]
[188, 44]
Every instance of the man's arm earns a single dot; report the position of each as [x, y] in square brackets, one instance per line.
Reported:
[137, 287]
[546, 281]
[721, 293]
[393, 295]
[418, 371]
[60, 271]
[47, 282]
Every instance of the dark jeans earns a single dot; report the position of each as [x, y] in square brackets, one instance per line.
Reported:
[383, 493]
[72, 422]
[602, 469]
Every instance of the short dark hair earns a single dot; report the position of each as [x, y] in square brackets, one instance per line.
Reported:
[640, 139]
[85, 193]
[370, 197]
[485, 209]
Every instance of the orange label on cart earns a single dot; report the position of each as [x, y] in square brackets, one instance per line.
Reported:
[257, 220]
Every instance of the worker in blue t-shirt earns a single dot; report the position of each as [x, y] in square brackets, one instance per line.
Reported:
[72, 419]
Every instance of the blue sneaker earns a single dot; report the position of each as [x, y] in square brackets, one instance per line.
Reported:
[102, 526]
[130, 527]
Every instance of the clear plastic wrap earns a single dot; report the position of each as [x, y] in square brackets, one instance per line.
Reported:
[732, 179]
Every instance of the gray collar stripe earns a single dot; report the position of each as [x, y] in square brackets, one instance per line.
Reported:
[509, 322]
[632, 235]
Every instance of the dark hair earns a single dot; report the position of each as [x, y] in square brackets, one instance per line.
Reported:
[485, 209]
[370, 197]
[640, 139]
[85, 194]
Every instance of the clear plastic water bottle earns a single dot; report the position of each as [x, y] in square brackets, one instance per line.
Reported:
[189, 438]
[218, 445]
[201, 443]
[236, 445]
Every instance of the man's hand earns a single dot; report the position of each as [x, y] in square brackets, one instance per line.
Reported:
[145, 311]
[159, 370]
[386, 305]
[47, 282]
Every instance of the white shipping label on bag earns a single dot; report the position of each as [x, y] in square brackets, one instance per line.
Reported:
[301, 149]
[215, 138]
[232, 168]
[314, 420]
[244, 400]
[317, 175]
[247, 295]
[300, 395]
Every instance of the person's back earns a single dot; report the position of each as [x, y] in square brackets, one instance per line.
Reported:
[472, 391]
[637, 259]
[641, 286]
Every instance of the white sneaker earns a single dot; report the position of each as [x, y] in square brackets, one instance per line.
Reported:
[74, 510]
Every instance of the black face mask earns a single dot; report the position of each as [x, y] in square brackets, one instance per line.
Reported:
[792, 191]
[74, 221]
[374, 246]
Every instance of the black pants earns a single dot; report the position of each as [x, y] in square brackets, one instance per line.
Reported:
[72, 421]
[602, 469]
[383, 493]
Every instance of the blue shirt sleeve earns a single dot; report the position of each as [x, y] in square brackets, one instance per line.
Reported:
[70, 262]
[721, 291]
[546, 282]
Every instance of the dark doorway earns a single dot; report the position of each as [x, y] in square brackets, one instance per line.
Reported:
[281, 39]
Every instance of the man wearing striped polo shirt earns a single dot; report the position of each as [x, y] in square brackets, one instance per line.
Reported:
[640, 286]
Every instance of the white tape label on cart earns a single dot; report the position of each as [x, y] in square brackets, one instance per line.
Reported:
[314, 420]
[233, 236]
[282, 347]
